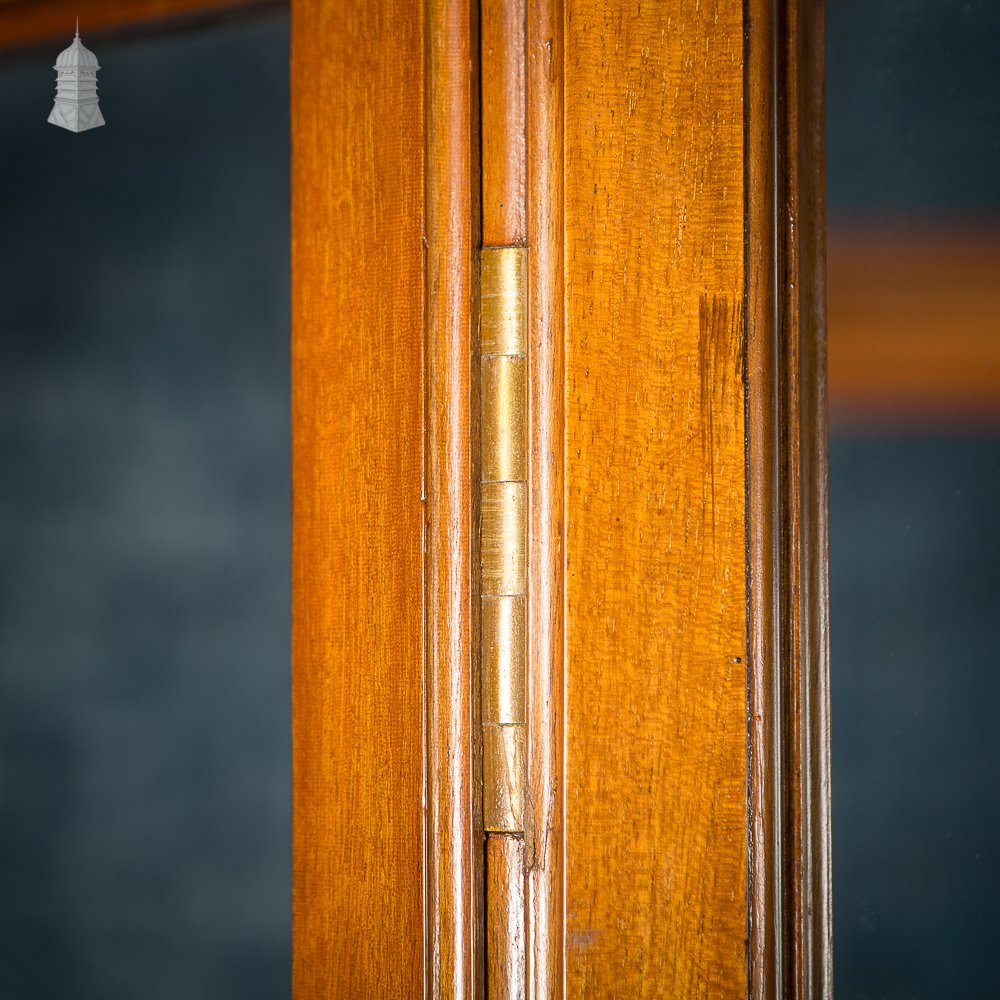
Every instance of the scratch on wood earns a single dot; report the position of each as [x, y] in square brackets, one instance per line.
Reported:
[720, 368]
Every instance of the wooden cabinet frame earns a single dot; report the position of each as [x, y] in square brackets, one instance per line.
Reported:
[787, 532]
[389, 894]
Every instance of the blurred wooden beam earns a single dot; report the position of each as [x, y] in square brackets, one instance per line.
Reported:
[914, 328]
[33, 22]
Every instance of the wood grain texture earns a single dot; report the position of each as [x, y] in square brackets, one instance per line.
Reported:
[814, 918]
[765, 892]
[357, 306]
[454, 952]
[656, 701]
[32, 22]
[805, 670]
[505, 931]
[914, 327]
[545, 822]
[790, 911]
[503, 137]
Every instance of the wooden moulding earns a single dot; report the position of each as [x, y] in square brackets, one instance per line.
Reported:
[789, 767]
[453, 879]
[545, 948]
[505, 932]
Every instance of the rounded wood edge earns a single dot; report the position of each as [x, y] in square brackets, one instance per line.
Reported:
[763, 607]
[818, 913]
[453, 937]
[789, 913]
[506, 914]
[545, 824]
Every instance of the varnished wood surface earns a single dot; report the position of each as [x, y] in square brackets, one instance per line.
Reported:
[503, 467]
[505, 930]
[545, 824]
[454, 855]
[914, 328]
[655, 631]
[810, 924]
[765, 892]
[357, 306]
[503, 137]
[790, 904]
[32, 22]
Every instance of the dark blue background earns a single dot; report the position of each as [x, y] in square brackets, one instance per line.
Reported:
[915, 579]
[913, 127]
[144, 524]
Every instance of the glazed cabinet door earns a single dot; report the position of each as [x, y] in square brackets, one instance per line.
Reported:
[559, 575]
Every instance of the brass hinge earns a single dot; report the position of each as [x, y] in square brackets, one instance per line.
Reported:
[503, 526]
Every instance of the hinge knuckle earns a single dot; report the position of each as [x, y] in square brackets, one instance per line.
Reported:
[503, 535]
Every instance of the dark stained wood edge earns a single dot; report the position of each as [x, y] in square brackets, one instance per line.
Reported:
[763, 609]
[453, 902]
[789, 911]
[813, 548]
[26, 23]
[546, 807]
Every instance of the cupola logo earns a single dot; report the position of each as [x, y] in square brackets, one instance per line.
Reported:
[76, 106]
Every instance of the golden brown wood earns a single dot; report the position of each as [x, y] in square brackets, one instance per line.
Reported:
[503, 101]
[453, 905]
[504, 430]
[505, 903]
[30, 22]
[545, 826]
[655, 639]
[357, 183]
[914, 327]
